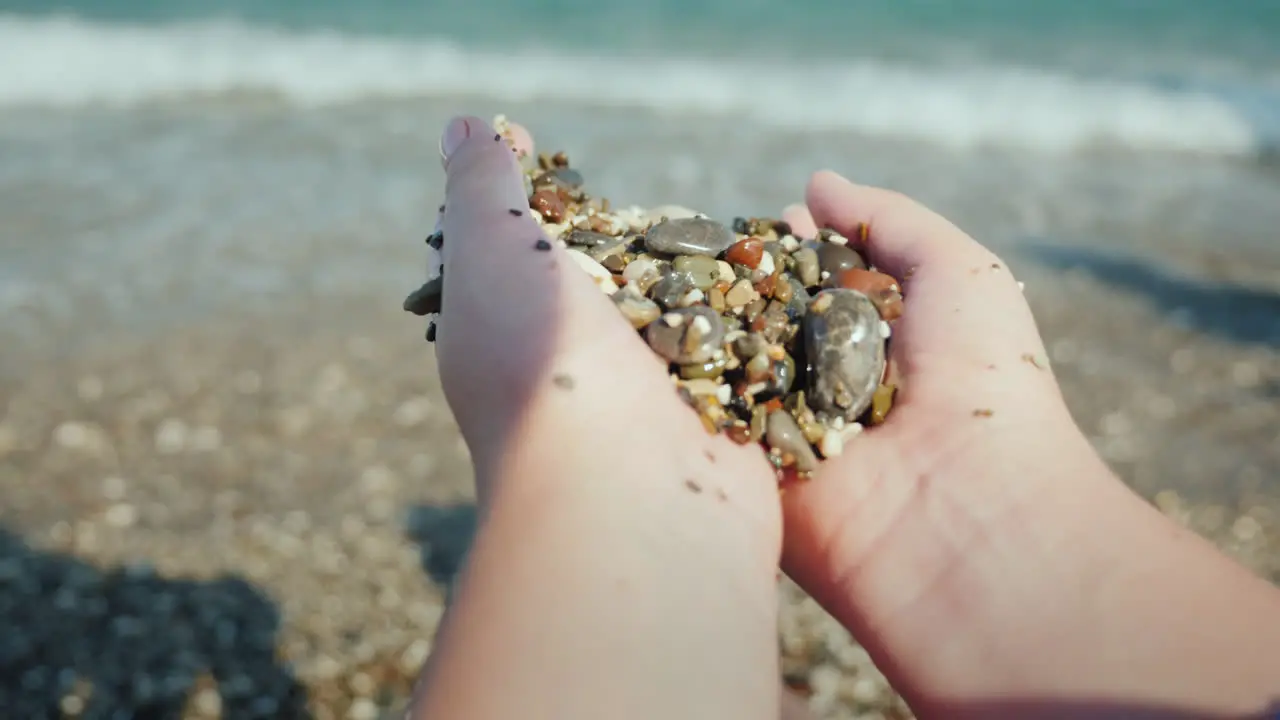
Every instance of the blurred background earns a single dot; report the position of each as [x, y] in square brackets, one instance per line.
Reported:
[229, 485]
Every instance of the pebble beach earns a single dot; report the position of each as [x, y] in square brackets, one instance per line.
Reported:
[230, 486]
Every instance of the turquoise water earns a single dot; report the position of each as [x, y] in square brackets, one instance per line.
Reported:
[146, 141]
[1177, 75]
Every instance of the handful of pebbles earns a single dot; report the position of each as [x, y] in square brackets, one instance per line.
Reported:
[770, 338]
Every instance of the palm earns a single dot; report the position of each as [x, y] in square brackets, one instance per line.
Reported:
[970, 365]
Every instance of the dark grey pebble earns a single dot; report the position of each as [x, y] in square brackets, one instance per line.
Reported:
[588, 238]
[566, 178]
[615, 246]
[846, 351]
[426, 299]
[683, 338]
[689, 236]
[670, 288]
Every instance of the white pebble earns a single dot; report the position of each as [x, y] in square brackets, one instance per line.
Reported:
[725, 271]
[603, 278]
[673, 320]
[414, 656]
[1246, 528]
[691, 298]
[121, 515]
[701, 324]
[702, 386]
[789, 243]
[724, 394]
[361, 684]
[71, 704]
[832, 443]
[865, 690]
[413, 412]
[1022, 285]
[209, 703]
[75, 435]
[171, 436]
[766, 265]
[363, 709]
[885, 330]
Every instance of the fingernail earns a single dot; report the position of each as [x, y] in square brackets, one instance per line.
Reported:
[454, 134]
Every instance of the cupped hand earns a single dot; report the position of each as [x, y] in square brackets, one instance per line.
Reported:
[625, 561]
[529, 347]
[885, 534]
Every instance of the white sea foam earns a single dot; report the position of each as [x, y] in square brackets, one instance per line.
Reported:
[67, 62]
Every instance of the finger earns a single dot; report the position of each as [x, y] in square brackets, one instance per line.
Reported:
[801, 222]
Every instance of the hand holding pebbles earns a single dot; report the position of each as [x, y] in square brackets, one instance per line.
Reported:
[771, 339]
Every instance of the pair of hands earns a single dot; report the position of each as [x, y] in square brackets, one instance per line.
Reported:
[624, 551]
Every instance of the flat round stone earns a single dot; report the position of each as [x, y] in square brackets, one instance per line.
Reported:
[689, 236]
[844, 345]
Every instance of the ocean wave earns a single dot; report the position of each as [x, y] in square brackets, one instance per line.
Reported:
[66, 62]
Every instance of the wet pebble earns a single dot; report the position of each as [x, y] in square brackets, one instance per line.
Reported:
[687, 336]
[636, 308]
[807, 267]
[701, 270]
[834, 259]
[670, 288]
[847, 352]
[566, 178]
[883, 290]
[426, 299]
[784, 435]
[689, 236]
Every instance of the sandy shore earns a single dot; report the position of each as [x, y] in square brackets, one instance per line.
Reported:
[278, 499]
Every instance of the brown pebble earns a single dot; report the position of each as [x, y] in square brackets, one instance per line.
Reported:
[881, 403]
[595, 223]
[548, 204]
[747, 252]
[983, 412]
[884, 291]
[562, 381]
[542, 245]
[693, 485]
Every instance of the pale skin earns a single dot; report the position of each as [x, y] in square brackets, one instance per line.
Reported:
[625, 562]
